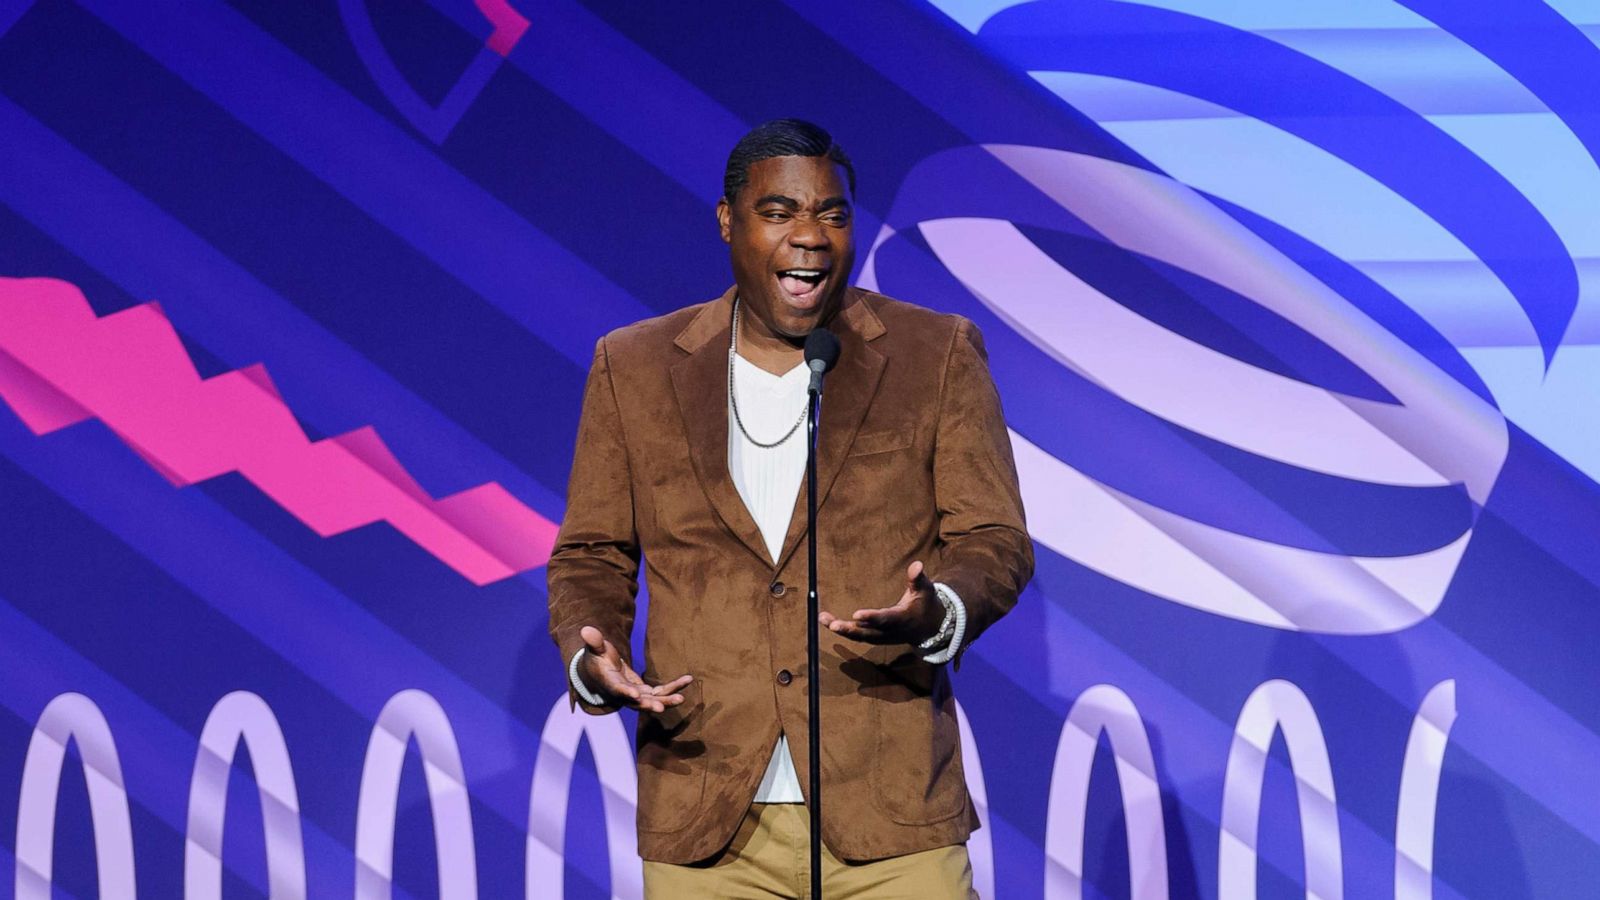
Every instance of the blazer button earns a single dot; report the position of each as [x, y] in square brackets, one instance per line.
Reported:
[784, 677]
[777, 589]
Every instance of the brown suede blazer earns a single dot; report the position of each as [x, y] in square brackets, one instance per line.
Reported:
[913, 463]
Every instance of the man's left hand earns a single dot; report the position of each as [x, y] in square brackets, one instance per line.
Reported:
[913, 620]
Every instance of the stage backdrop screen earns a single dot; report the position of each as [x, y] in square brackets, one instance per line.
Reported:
[1294, 308]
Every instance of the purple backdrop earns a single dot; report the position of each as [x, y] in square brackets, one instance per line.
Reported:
[1293, 308]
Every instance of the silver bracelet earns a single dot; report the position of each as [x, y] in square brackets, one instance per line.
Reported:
[947, 628]
[955, 620]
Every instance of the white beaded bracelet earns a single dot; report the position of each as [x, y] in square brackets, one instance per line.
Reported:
[584, 694]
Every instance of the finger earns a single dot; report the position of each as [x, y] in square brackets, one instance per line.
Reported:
[826, 619]
[673, 686]
[625, 691]
[916, 578]
[857, 632]
[593, 640]
[879, 617]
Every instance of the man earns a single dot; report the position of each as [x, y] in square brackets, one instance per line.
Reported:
[691, 452]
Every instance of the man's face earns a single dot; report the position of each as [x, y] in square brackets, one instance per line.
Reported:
[791, 239]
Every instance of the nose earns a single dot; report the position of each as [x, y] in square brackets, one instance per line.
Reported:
[809, 234]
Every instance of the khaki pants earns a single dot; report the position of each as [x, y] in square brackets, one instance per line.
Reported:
[770, 858]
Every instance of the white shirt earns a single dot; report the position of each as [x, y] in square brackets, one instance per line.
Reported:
[768, 480]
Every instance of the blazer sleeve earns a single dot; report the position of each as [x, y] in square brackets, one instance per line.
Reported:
[985, 554]
[593, 570]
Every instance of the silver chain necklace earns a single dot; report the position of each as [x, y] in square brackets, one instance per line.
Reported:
[733, 400]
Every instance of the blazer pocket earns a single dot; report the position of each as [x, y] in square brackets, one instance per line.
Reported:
[916, 775]
[881, 441]
[672, 764]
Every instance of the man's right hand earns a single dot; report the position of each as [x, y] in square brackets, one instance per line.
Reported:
[604, 672]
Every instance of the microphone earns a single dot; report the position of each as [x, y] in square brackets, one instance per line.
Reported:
[822, 352]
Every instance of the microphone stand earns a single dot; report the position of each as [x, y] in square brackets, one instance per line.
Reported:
[822, 352]
[813, 668]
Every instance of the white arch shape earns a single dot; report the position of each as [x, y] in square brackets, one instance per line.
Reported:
[1273, 706]
[548, 799]
[243, 718]
[980, 846]
[73, 717]
[414, 714]
[1439, 434]
[1104, 708]
[1419, 793]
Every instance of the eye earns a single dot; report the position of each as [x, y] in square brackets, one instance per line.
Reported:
[774, 215]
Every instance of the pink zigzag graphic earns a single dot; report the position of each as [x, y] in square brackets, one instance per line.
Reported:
[509, 25]
[60, 365]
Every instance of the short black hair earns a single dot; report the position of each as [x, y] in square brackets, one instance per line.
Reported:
[781, 137]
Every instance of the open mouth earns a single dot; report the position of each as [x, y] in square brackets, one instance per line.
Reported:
[802, 284]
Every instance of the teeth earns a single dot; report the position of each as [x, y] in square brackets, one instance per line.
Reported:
[803, 273]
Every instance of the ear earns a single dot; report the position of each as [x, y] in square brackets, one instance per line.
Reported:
[725, 220]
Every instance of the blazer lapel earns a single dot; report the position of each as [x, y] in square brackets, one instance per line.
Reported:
[701, 384]
[846, 395]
